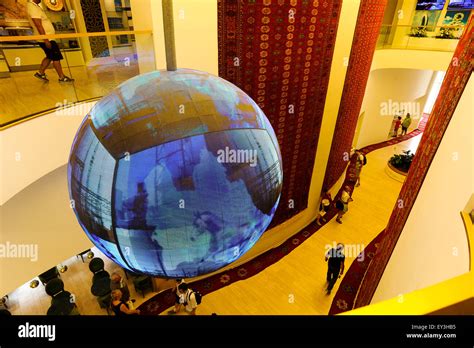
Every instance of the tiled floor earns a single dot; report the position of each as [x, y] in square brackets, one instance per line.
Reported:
[77, 280]
[22, 94]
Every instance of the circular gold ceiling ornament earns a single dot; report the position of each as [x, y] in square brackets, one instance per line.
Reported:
[54, 5]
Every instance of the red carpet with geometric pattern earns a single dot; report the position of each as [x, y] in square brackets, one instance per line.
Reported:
[280, 53]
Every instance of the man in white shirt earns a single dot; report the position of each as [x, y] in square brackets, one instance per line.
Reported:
[190, 303]
[42, 25]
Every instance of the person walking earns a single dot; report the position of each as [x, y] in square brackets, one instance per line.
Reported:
[119, 306]
[335, 258]
[361, 161]
[179, 298]
[406, 123]
[342, 204]
[397, 126]
[324, 206]
[42, 25]
[190, 298]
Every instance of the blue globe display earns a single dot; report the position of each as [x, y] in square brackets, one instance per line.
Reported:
[175, 173]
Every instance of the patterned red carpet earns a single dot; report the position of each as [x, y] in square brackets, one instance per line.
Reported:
[165, 299]
[280, 53]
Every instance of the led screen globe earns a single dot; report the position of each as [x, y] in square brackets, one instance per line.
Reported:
[175, 173]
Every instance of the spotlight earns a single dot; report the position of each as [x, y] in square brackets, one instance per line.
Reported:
[62, 268]
[34, 283]
[90, 255]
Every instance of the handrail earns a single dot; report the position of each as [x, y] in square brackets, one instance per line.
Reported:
[469, 226]
[424, 26]
[72, 35]
[419, 302]
[27, 118]
[13, 119]
[423, 301]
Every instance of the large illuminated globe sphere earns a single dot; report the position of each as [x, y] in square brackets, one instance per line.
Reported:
[175, 173]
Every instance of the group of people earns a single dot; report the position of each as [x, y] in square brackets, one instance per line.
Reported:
[184, 298]
[342, 203]
[404, 124]
[335, 257]
[122, 304]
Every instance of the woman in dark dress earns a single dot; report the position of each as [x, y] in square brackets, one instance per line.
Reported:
[119, 307]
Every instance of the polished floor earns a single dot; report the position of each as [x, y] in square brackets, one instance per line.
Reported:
[78, 281]
[294, 285]
[22, 94]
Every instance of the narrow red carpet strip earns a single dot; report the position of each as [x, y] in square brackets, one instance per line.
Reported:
[165, 299]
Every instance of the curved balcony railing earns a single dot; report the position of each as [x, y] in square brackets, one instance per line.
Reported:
[423, 37]
[97, 62]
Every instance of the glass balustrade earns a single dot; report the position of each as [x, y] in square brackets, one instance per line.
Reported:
[97, 63]
[431, 38]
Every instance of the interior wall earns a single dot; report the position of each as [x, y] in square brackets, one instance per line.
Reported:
[35, 148]
[411, 59]
[145, 44]
[433, 245]
[195, 24]
[195, 38]
[390, 12]
[387, 88]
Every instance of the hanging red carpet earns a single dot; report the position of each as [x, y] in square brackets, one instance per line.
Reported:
[367, 31]
[280, 53]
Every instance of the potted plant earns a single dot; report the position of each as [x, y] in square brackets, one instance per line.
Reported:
[418, 32]
[402, 162]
